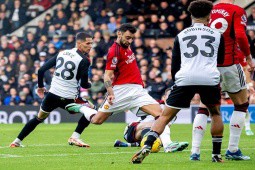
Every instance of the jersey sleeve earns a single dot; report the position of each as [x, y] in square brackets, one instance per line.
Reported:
[82, 73]
[176, 58]
[240, 20]
[221, 51]
[112, 59]
[49, 64]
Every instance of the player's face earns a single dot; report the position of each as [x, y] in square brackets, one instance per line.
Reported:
[85, 46]
[126, 39]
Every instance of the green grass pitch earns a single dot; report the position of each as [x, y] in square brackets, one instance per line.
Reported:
[47, 148]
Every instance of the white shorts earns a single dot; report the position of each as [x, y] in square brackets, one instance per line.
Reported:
[127, 97]
[232, 78]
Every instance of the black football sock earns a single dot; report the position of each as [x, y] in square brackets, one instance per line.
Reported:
[216, 141]
[144, 132]
[82, 124]
[29, 127]
[152, 136]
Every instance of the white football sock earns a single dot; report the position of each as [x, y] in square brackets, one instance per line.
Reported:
[199, 127]
[235, 126]
[247, 121]
[17, 140]
[76, 135]
[88, 112]
[165, 137]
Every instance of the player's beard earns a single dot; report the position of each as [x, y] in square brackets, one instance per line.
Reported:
[122, 44]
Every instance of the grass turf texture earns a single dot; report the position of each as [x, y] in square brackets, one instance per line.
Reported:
[47, 148]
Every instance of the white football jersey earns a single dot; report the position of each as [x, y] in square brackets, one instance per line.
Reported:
[64, 82]
[199, 47]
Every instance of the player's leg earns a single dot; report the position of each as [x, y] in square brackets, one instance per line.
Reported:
[179, 97]
[236, 125]
[233, 81]
[211, 97]
[198, 131]
[247, 124]
[49, 103]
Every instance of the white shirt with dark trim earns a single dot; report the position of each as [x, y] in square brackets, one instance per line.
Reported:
[196, 53]
[71, 71]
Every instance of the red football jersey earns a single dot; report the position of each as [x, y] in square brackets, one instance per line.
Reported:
[123, 62]
[230, 20]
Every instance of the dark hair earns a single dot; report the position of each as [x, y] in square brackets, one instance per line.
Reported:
[82, 36]
[127, 27]
[200, 8]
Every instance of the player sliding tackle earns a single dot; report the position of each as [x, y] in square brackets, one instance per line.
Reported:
[196, 52]
[123, 82]
[135, 131]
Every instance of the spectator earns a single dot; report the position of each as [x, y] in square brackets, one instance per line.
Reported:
[96, 86]
[30, 41]
[251, 18]
[70, 43]
[5, 91]
[4, 24]
[41, 29]
[102, 18]
[112, 25]
[84, 19]
[60, 19]
[157, 88]
[18, 15]
[12, 99]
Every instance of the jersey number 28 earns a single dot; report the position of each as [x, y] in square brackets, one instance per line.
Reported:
[67, 72]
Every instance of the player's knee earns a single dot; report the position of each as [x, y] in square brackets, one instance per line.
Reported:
[40, 120]
[242, 107]
[202, 110]
[97, 121]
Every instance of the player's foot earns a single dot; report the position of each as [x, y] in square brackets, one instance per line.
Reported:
[139, 156]
[73, 107]
[249, 133]
[176, 146]
[119, 143]
[217, 158]
[77, 142]
[236, 155]
[194, 157]
[16, 145]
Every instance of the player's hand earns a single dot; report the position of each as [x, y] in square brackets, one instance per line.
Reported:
[251, 64]
[251, 89]
[40, 92]
[110, 99]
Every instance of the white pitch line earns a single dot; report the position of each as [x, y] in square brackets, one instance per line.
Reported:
[97, 153]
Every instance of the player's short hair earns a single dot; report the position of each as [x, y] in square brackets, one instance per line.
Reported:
[82, 36]
[127, 27]
[200, 8]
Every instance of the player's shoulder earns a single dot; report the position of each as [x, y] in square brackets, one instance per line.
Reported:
[115, 49]
[229, 7]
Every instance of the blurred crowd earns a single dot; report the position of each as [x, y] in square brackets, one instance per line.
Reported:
[20, 58]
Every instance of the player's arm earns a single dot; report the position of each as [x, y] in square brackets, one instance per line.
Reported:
[49, 64]
[82, 73]
[176, 58]
[240, 20]
[108, 76]
[111, 65]
[221, 51]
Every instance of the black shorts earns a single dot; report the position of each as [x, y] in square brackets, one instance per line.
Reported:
[129, 135]
[181, 96]
[52, 102]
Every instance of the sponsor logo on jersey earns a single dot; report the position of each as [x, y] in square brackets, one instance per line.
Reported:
[106, 106]
[130, 59]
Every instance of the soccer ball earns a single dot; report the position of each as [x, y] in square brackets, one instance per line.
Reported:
[156, 145]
